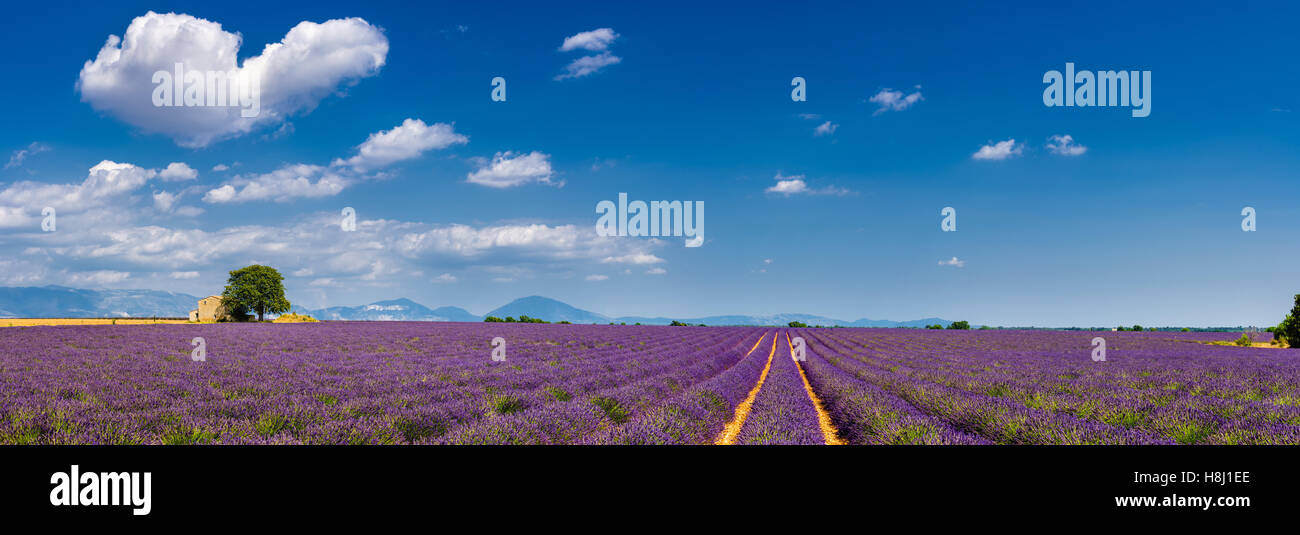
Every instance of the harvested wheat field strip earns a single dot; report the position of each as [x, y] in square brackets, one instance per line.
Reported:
[50, 322]
[732, 430]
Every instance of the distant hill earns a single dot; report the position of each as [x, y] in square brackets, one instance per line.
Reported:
[548, 309]
[61, 302]
[393, 310]
[782, 319]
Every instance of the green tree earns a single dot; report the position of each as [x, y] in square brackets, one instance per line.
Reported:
[1289, 329]
[960, 325]
[797, 325]
[1137, 327]
[255, 288]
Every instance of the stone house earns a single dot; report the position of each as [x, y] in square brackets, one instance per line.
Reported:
[210, 309]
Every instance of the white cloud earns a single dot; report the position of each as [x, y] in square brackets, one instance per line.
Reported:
[283, 184]
[105, 185]
[825, 129]
[891, 100]
[98, 278]
[17, 158]
[656, 271]
[795, 185]
[177, 171]
[998, 151]
[594, 40]
[508, 169]
[789, 185]
[597, 277]
[405, 141]
[534, 241]
[445, 278]
[184, 275]
[588, 64]
[310, 63]
[1065, 146]
[164, 201]
[638, 258]
[810, 116]
[767, 260]
[953, 262]
[220, 167]
[107, 236]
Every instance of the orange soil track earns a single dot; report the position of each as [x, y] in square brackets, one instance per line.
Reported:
[829, 433]
[732, 430]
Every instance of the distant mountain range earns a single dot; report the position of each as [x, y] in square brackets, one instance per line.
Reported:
[393, 310]
[63, 302]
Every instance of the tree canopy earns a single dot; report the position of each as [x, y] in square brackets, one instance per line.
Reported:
[255, 288]
[1289, 329]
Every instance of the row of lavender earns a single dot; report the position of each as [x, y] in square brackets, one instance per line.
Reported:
[360, 383]
[1042, 387]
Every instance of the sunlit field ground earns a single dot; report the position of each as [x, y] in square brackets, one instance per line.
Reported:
[436, 383]
[33, 322]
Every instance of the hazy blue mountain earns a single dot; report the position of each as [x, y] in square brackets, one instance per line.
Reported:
[393, 310]
[62, 302]
[781, 319]
[548, 309]
[887, 323]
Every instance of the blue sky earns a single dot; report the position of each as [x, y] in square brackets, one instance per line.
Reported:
[1143, 226]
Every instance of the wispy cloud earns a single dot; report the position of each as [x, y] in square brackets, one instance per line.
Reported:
[953, 262]
[403, 142]
[507, 169]
[891, 100]
[999, 151]
[586, 65]
[594, 40]
[17, 158]
[1064, 145]
[597, 40]
[796, 185]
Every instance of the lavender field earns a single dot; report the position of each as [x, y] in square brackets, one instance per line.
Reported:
[436, 383]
